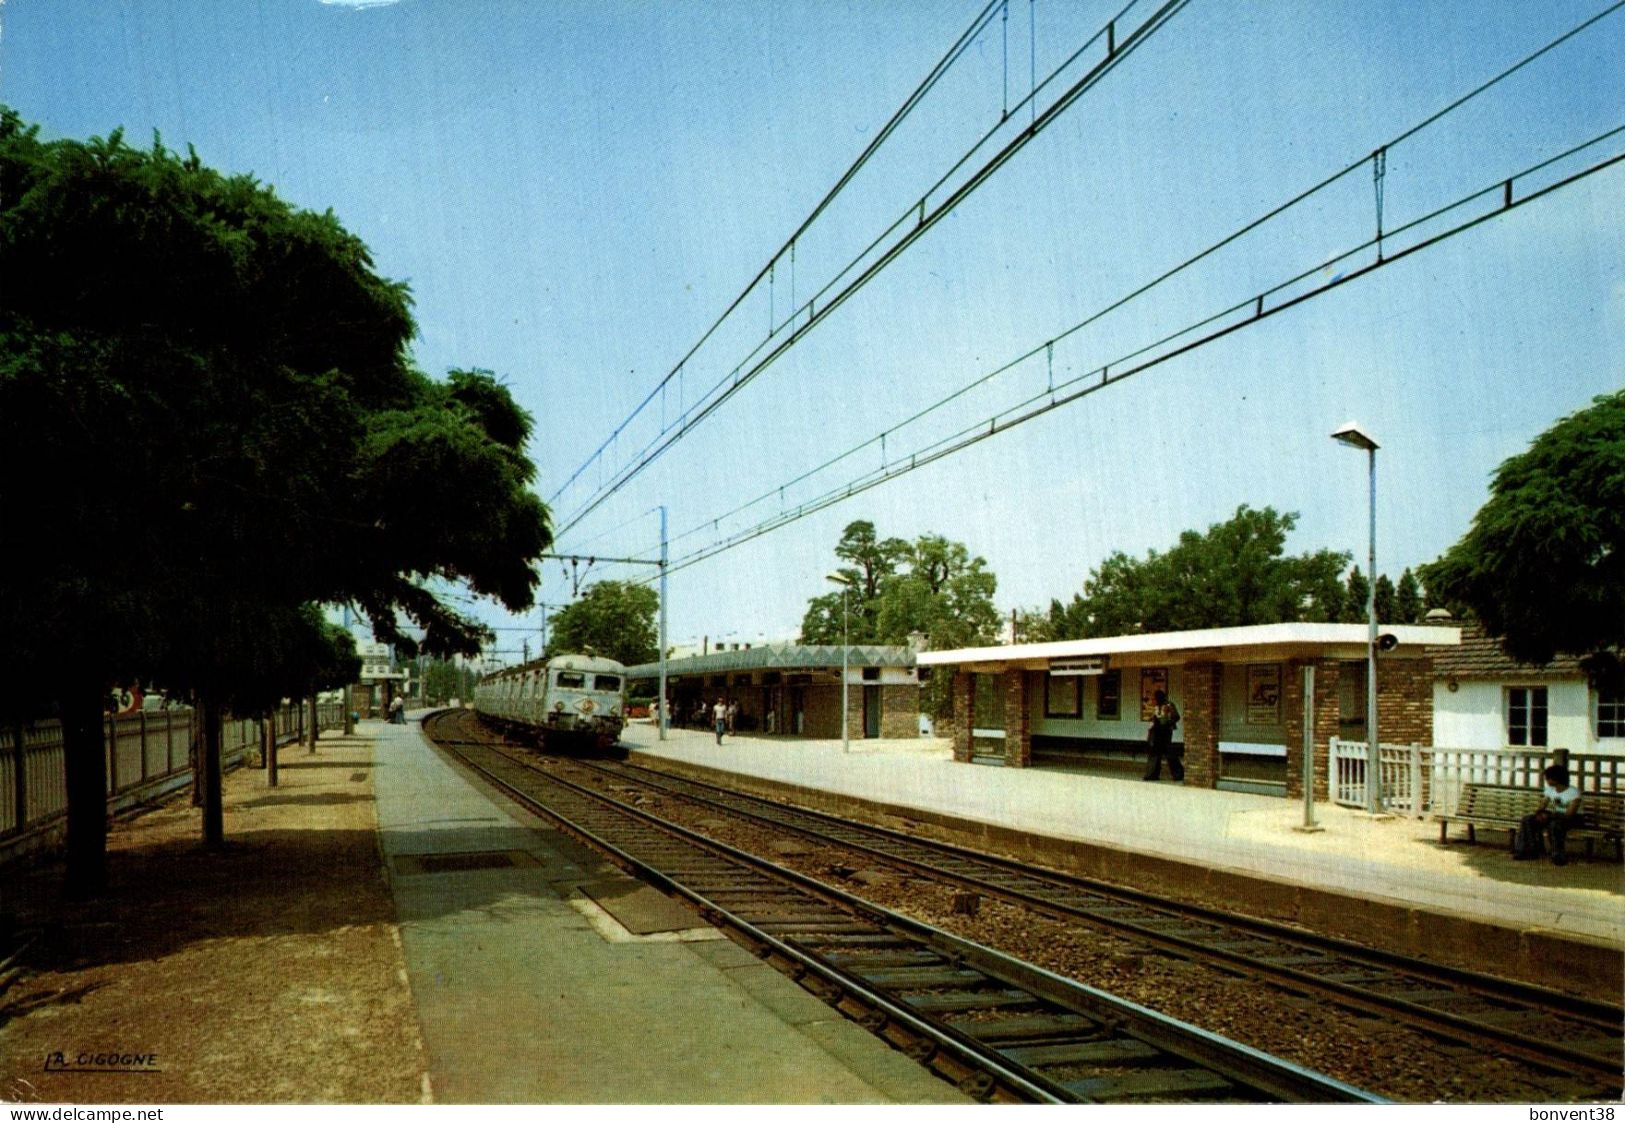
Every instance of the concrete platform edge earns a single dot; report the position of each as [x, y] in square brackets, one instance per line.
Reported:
[1541, 956]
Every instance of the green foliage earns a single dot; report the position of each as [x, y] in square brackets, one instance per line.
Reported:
[613, 619]
[445, 679]
[1543, 565]
[219, 385]
[1231, 575]
[897, 589]
[1408, 607]
[209, 423]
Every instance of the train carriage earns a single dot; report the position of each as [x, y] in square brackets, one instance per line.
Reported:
[568, 701]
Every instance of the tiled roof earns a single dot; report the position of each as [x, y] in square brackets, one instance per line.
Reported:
[1480, 656]
[781, 656]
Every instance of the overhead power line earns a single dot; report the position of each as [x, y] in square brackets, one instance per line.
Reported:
[906, 229]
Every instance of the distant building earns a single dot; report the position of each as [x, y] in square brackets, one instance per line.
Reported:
[380, 681]
[794, 689]
[1484, 699]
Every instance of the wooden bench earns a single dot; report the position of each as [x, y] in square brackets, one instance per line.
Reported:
[1496, 807]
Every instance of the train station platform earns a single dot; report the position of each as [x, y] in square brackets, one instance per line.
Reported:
[541, 974]
[1386, 881]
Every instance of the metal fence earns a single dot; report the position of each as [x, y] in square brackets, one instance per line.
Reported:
[146, 753]
[1419, 780]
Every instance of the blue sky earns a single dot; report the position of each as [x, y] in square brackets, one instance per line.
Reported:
[575, 192]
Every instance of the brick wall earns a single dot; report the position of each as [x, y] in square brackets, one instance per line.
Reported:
[1200, 721]
[900, 711]
[963, 718]
[1326, 713]
[823, 713]
[1018, 739]
[1404, 700]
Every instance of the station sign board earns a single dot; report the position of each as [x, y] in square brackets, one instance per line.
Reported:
[1079, 665]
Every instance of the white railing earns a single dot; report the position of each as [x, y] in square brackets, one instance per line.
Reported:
[1419, 780]
[1402, 787]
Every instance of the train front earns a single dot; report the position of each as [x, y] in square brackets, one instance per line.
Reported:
[585, 700]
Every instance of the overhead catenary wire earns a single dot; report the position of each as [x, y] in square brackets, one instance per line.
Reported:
[1275, 212]
[1124, 366]
[914, 222]
[902, 113]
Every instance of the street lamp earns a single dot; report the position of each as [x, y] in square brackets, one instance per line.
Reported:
[1355, 437]
[846, 651]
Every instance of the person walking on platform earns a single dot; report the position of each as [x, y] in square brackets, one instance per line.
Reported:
[397, 711]
[1160, 738]
[719, 718]
[1558, 811]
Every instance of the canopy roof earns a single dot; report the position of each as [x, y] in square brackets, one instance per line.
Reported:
[781, 657]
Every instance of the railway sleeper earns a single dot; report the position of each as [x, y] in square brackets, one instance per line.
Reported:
[922, 978]
[1117, 1051]
[882, 957]
[1153, 1084]
[1030, 1028]
[966, 1001]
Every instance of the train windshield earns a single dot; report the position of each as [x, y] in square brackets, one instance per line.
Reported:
[573, 680]
[606, 682]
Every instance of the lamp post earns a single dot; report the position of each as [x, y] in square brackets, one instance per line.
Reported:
[846, 653]
[1355, 437]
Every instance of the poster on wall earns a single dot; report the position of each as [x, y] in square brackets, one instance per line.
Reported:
[1152, 679]
[1264, 694]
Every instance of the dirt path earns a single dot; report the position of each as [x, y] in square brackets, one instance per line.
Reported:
[267, 973]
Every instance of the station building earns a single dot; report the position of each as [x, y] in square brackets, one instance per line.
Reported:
[1240, 692]
[794, 689]
[1484, 699]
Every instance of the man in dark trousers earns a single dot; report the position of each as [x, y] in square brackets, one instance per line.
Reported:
[1164, 717]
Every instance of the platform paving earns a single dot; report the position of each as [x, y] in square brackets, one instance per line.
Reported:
[555, 978]
[1386, 878]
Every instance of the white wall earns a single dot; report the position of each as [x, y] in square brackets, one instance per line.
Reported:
[1473, 716]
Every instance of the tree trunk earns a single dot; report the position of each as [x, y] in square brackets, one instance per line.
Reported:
[194, 750]
[214, 829]
[315, 723]
[84, 747]
[268, 737]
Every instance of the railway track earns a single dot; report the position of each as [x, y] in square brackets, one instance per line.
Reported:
[1548, 1029]
[1000, 1028]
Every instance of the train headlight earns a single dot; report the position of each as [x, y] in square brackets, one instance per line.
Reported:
[558, 707]
[585, 705]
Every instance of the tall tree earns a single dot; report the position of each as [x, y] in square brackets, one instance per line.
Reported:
[1356, 601]
[245, 371]
[868, 561]
[1232, 574]
[1387, 601]
[942, 593]
[1408, 599]
[613, 619]
[1543, 565]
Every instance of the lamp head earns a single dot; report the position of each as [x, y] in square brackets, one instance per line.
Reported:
[839, 578]
[1355, 437]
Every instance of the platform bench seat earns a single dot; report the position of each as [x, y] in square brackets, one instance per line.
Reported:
[1496, 807]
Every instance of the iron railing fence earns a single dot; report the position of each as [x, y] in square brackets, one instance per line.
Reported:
[144, 752]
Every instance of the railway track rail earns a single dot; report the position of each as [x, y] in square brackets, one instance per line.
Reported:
[1547, 1029]
[1000, 1028]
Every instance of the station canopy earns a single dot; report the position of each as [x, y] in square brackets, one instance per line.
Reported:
[781, 657]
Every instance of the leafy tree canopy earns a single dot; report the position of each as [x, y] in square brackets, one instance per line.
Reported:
[613, 619]
[1234, 573]
[209, 422]
[897, 588]
[1543, 566]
